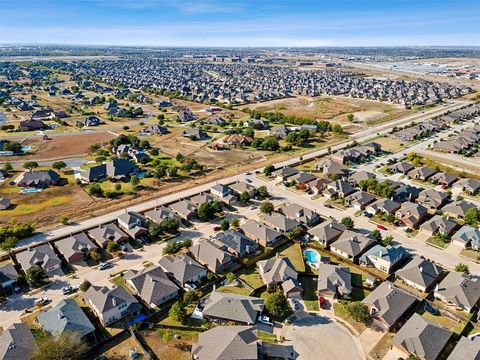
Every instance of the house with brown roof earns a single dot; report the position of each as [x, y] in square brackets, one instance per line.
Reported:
[411, 214]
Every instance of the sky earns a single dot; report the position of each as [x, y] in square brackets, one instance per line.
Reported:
[247, 23]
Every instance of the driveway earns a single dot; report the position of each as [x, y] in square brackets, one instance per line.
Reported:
[318, 337]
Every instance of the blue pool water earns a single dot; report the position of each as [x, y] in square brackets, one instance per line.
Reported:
[312, 257]
[26, 191]
[26, 148]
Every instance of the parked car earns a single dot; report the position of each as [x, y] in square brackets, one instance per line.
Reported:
[217, 228]
[17, 288]
[41, 301]
[248, 173]
[248, 180]
[328, 206]
[104, 266]
[253, 207]
[123, 247]
[265, 320]
[367, 214]
[381, 227]
[69, 290]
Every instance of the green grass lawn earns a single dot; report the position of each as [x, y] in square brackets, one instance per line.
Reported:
[120, 281]
[294, 253]
[235, 290]
[266, 337]
[438, 243]
[342, 313]
[309, 293]
[446, 322]
[251, 276]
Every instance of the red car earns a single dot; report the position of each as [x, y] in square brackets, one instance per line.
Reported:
[217, 228]
[381, 227]
[322, 302]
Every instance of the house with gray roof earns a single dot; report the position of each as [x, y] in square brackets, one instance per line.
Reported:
[284, 173]
[438, 225]
[411, 214]
[276, 271]
[214, 257]
[183, 269]
[185, 209]
[330, 168]
[133, 223]
[383, 206]
[17, 342]
[466, 349]
[280, 131]
[43, 256]
[299, 213]
[303, 178]
[421, 173]
[338, 188]
[224, 193]
[467, 236]
[360, 176]
[38, 179]
[107, 232]
[152, 285]
[458, 209]
[327, 232]
[421, 338]
[459, 289]
[4, 202]
[118, 169]
[351, 245]
[401, 167]
[76, 248]
[470, 186]
[201, 198]
[384, 258]
[262, 234]
[360, 200]
[238, 308]
[389, 305]
[420, 273]
[66, 316]
[443, 179]
[334, 280]
[432, 199]
[158, 214]
[279, 222]
[8, 278]
[240, 187]
[235, 242]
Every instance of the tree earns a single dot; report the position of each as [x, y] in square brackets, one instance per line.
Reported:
[96, 190]
[7, 167]
[294, 138]
[160, 171]
[95, 256]
[230, 277]
[472, 217]
[267, 170]
[461, 267]
[177, 312]
[190, 297]
[225, 225]
[155, 230]
[270, 143]
[35, 275]
[63, 219]
[59, 165]
[235, 223]
[170, 225]
[66, 345]
[248, 132]
[85, 285]
[244, 197]
[134, 181]
[388, 241]
[262, 192]
[359, 312]
[376, 235]
[350, 117]
[205, 211]
[112, 247]
[348, 222]
[118, 187]
[267, 207]
[30, 165]
[277, 305]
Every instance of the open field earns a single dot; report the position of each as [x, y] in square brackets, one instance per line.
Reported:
[335, 108]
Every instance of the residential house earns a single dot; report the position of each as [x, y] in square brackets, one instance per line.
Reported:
[107, 232]
[38, 179]
[432, 199]
[201, 198]
[240, 309]
[421, 173]
[195, 133]
[406, 193]
[327, 232]
[152, 285]
[383, 206]
[280, 131]
[460, 290]
[185, 209]
[338, 188]
[411, 214]
[262, 234]
[300, 214]
[420, 273]
[279, 222]
[66, 316]
[8, 278]
[43, 256]
[4, 203]
[470, 186]
[31, 125]
[155, 129]
[384, 258]
[389, 305]
[216, 259]
[359, 176]
[92, 121]
[284, 173]
[224, 193]
[318, 185]
[17, 342]
[235, 242]
[240, 187]
[438, 225]
[351, 245]
[110, 305]
[467, 237]
[117, 169]
[133, 223]
[303, 178]
[334, 280]
[458, 209]
[466, 349]
[401, 167]
[331, 168]
[183, 269]
[421, 338]
[356, 154]
[158, 214]
[446, 180]
[278, 271]
[76, 248]
[360, 199]
[232, 141]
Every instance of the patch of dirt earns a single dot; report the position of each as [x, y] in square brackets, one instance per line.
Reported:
[174, 349]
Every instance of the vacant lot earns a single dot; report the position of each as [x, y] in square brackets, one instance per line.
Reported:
[165, 346]
[335, 108]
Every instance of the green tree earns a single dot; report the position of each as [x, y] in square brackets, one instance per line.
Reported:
[30, 165]
[134, 181]
[230, 277]
[277, 305]
[267, 170]
[348, 222]
[244, 197]
[235, 223]
[270, 143]
[63, 346]
[350, 117]
[36, 275]
[472, 217]
[461, 267]
[63, 219]
[388, 241]
[225, 225]
[59, 165]
[112, 247]
[189, 297]
[177, 312]
[376, 235]
[118, 187]
[170, 225]
[94, 255]
[7, 167]
[262, 192]
[248, 132]
[96, 190]
[359, 312]
[267, 207]
[85, 285]
[155, 230]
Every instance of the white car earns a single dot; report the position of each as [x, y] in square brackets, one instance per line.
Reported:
[104, 266]
[265, 320]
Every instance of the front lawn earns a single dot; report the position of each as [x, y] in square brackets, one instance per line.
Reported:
[437, 242]
[235, 290]
[266, 337]
[341, 312]
[309, 293]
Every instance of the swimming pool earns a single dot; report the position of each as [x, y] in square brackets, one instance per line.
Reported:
[312, 258]
[26, 148]
[27, 191]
